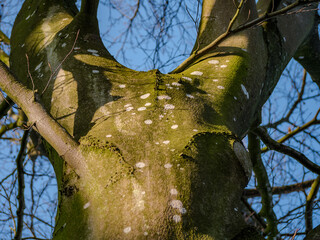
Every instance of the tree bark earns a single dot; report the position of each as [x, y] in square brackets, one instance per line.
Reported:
[156, 155]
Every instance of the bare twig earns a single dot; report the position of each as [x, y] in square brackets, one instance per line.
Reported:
[274, 145]
[313, 121]
[21, 186]
[63, 60]
[297, 187]
[30, 76]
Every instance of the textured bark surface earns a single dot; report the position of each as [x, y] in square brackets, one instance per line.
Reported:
[162, 152]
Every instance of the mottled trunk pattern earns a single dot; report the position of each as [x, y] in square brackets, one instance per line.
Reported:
[164, 155]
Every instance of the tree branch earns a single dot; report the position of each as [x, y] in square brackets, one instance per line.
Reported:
[263, 185]
[297, 130]
[309, 204]
[274, 145]
[297, 187]
[196, 55]
[295, 104]
[89, 7]
[254, 213]
[21, 186]
[308, 54]
[49, 129]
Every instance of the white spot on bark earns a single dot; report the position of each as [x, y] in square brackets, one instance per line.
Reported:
[173, 191]
[176, 84]
[197, 73]
[235, 98]
[122, 86]
[166, 142]
[176, 218]
[109, 136]
[140, 165]
[169, 106]
[63, 45]
[187, 78]
[28, 17]
[174, 126]
[161, 97]
[215, 62]
[148, 104]
[189, 95]
[144, 96]
[236, 209]
[220, 87]
[176, 204]
[195, 130]
[127, 230]
[86, 205]
[142, 108]
[22, 45]
[148, 122]
[95, 71]
[92, 51]
[224, 66]
[38, 67]
[245, 91]
[168, 165]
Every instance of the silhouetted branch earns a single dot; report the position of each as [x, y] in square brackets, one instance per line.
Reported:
[309, 204]
[274, 145]
[21, 185]
[297, 130]
[263, 185]
[297, 187]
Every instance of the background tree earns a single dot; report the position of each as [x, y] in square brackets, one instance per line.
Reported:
[167, 145]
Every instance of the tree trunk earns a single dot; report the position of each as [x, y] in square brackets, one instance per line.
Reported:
[161, 153]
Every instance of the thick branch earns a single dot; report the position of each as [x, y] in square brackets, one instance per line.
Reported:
[309, 204]
[297, 187]
[308, 54]
[89, 7]
[49, 129]
[196, 55]
[274, 145]
[263, 185]
[21, 186]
